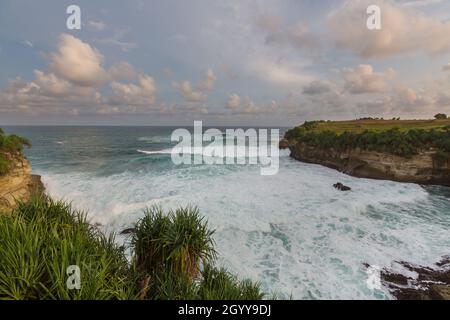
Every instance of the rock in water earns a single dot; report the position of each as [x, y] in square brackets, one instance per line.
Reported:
[341, 187]
[128, 231]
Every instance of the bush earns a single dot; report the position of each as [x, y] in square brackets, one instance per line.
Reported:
[440, 116]
[43, 237]
[9, 147]
[393, 141]
[5, 165]
[177, 242]
[170, 251]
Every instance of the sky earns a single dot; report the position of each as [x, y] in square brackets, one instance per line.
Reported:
[233, 62]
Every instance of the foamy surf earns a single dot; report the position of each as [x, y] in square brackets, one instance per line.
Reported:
[293, 231]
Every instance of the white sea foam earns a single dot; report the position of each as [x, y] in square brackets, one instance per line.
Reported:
[292, 231]
[251, 152]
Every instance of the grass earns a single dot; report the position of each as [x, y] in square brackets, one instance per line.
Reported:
[41, 239]
[172, 257]
[358, 126]
[399, 137]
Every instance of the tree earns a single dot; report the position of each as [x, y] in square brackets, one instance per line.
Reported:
[440, 116]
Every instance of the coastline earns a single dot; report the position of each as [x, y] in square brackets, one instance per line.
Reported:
[420, 169]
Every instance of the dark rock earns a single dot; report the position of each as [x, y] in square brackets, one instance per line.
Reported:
[341, 187]
[431, 282]
[284, 144]
[128, 231]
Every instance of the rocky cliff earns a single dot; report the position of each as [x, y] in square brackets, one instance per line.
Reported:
[421, 168]
[18, 184]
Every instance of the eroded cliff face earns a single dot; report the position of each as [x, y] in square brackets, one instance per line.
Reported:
[18, 184]
[421, 168]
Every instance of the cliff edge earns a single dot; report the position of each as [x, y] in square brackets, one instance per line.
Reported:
[422, 168]
[18, 184]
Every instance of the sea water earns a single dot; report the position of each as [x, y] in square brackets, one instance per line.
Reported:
[293, 232]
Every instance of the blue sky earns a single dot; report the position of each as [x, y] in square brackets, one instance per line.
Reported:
[250, 62]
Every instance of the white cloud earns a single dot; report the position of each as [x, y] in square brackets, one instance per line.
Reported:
[122, 70]
[78, 62]
[140, 94]
[73, 83]
[117, 40]
[208, 81]
[233, 101]
[363, 79]
[281, 73]
[403, 30]
[188, 93]
[97, 25]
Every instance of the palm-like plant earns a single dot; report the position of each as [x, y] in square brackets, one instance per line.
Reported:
[177, 242]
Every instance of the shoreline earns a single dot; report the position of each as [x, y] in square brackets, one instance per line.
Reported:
[420, 169]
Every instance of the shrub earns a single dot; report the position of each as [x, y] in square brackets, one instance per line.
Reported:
[219, 284]
[9, 147]
[43, 237]
[440, 116]
[394, 141]
[5, 164]
[178, 241]
[171, 250]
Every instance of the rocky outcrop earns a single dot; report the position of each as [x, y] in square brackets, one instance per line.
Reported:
[421, 168]
[18, 184]
[341, 187]
[422, 283]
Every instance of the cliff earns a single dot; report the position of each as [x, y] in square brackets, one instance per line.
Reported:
[18, 184]
[421, 168]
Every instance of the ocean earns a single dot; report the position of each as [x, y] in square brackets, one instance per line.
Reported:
[293, 232]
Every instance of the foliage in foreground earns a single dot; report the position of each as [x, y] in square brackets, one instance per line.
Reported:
[393, 141]
[10, 145]
[172, 257]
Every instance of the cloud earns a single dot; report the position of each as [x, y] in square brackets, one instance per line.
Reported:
[233, 101]
[249, 106]
[140, 94]
[404, 30]
[298, 36]
[446, 67]
[280, 73]
[363, 79]
[316, 88]
[77, 62]
[419, 3]
[28, 43]
[97, 25]
[117, 40]
[244, 105]
[208, 81]
[122, 70]
[190, 95]
[74, 82]
[268, 22]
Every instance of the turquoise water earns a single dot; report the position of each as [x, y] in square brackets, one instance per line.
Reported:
[293, 231]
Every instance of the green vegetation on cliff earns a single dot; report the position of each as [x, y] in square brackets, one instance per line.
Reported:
[172, 257]
[10, 146]
[399, 137]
